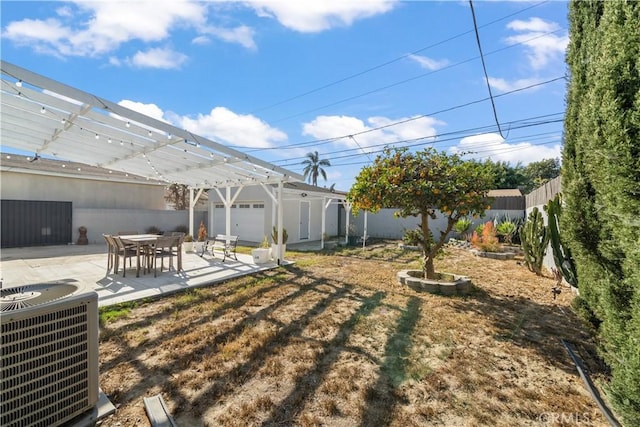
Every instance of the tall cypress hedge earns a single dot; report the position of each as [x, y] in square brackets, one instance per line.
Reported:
[601, 183]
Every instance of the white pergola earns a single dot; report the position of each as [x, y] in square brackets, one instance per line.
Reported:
[48, 118]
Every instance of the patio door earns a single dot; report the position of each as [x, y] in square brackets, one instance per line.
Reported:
[305, 213]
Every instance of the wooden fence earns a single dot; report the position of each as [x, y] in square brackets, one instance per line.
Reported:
[543, 194]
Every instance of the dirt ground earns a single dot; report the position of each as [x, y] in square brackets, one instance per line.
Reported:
[334, 340]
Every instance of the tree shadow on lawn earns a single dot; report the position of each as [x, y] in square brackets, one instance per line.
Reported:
[303, 287]
[540, 327]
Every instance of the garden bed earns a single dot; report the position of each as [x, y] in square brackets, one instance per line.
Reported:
[445, 283]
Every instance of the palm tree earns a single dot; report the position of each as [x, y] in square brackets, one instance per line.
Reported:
[313, 168]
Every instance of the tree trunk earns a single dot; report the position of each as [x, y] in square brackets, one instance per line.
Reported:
[427, 251]
[429, 247]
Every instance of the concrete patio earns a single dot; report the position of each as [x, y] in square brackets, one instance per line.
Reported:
[86, 266]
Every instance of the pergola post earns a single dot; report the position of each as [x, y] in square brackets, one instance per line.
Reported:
[348, 214]
[192, 204]
[280, 222]
[325, 205]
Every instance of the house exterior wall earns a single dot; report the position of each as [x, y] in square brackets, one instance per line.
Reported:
[101, 206]
[291, 213]
[83, 193]
[112, 221]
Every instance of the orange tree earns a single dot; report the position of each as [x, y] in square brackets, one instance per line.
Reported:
[421, 184]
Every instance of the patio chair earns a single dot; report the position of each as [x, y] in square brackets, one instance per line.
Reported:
[176, 248]
[126, 251]
[112, 253]
[163, 246]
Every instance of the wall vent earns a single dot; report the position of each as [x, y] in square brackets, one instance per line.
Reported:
[49, 354]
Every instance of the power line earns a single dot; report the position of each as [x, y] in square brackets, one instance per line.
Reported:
[384, 64]
[484, 67]
[466, 104]
[413, 143]
[397, 84]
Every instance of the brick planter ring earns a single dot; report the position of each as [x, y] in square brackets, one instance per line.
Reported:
[459, 285]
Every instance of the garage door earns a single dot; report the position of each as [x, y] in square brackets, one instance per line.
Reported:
[247, 220]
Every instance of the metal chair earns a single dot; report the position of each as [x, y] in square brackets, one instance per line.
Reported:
[126, 251]
[163, 246]
[111, 252]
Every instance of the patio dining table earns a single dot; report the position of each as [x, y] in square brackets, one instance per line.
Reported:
[139, 240]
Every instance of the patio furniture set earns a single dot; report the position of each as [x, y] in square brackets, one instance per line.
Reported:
[223, 244]
[146, 248]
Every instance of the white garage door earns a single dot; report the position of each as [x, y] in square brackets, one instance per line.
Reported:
[247, 220]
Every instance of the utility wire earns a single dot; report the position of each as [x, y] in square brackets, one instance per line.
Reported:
[455, 107]
[484, 67]
[384, 64]
[413, 143]
[400, 83]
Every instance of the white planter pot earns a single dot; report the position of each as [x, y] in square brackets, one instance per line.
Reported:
[274, 251]
[261, 255]
[198, 247]
[187, 246]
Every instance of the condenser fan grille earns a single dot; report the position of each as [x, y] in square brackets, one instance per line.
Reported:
[48, 355]
[21, 297]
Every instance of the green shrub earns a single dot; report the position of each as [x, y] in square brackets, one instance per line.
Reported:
[412, 237]
[600, 176]
[462, 227]
[506, 230]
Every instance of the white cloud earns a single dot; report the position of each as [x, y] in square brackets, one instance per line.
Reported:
[428, 63]
[95, 28]
[493, 146]
[241, 35]
[151, 110]
[503, 85]
[224, 126]
[327, 127]
[220, 125]
[541, 48]
[316, 16]
[533, 24]
[158, 58]
[201, 40]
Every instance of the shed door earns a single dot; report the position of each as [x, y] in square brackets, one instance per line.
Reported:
[35, 223]
[305, 213]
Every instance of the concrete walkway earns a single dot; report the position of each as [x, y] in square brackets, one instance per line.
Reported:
[86, 267]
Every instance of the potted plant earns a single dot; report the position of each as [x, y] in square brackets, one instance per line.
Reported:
[202, 237]
[262, 253]
[187, 243]
[274, 240]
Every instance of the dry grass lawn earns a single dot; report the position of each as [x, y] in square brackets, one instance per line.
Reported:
[334, 340]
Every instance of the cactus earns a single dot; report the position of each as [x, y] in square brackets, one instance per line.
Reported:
[561, 253]
[534, 238]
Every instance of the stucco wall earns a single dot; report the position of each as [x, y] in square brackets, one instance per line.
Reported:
[83, 193]
[385, 225]
[112, 221]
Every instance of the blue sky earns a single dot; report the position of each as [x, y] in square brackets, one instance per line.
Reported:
[279, 79]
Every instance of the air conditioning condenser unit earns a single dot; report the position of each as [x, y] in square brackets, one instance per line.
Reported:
[49, 354]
